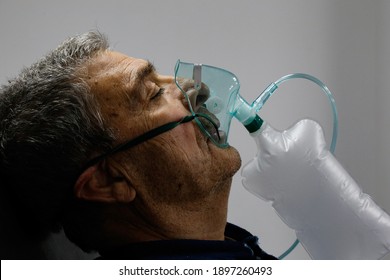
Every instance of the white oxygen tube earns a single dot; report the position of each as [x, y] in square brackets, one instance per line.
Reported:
[314, 195]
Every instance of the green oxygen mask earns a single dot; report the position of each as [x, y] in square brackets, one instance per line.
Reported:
[225, 102]
[223, 87]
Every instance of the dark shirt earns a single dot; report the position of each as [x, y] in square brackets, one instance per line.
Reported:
[239, 244]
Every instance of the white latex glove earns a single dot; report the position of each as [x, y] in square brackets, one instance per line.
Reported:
[314, 195]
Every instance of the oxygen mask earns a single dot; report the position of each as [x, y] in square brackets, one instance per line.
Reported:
[223, 101]
[213, 114]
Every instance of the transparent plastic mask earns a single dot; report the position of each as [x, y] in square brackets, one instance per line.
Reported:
[223, 88]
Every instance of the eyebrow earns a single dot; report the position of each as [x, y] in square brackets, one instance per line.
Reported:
[141, 74]
[145, 71]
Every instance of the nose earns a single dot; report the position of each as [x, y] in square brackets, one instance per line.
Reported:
[198, 97]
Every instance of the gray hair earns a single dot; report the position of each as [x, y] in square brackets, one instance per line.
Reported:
[50, 125]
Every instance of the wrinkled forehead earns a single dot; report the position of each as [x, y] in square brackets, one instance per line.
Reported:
[116, 81]
[113, 74]
[120, 66]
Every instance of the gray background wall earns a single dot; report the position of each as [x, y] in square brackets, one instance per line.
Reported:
[345, 43]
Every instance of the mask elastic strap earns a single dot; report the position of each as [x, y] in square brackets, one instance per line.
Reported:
[142, 138]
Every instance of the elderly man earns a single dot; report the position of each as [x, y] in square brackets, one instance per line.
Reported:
[100, 144]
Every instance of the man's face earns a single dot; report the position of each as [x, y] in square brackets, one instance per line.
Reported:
[179, 165]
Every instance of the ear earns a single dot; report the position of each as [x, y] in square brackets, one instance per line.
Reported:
[97, 183]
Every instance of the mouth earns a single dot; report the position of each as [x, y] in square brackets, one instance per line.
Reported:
[210, 126]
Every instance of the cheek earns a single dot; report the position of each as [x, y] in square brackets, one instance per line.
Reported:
[187, 138]
[169, 108]
[162, 170]
[177, 148]
[168, 114]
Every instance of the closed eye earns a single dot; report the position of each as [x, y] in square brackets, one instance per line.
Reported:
[159, 93]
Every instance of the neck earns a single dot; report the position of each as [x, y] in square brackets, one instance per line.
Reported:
[203, 219]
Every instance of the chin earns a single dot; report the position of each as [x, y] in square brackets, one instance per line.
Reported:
[228, 159]
[235, 160]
